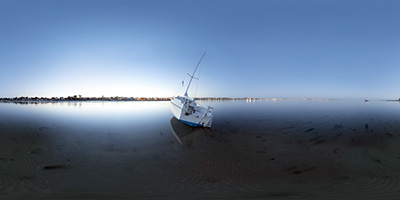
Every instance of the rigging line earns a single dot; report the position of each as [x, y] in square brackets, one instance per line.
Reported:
[192, 76]
[177, 90]
[198, 80]
[180, 86]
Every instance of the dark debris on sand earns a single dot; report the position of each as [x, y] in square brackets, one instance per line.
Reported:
[49, 167]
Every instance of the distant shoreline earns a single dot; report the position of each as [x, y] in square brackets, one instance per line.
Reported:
[28, 100]
[79, 99]
[36, 100]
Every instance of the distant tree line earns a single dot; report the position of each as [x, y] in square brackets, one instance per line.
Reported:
[80, 98]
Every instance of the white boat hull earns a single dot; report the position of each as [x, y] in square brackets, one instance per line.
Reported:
[190, 113]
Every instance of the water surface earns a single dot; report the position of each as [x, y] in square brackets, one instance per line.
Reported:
[258, 150]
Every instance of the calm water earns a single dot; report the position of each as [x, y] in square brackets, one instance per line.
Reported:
[259, 150]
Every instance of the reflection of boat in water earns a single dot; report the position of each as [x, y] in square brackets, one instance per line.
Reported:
[186, 135]
[188, 111]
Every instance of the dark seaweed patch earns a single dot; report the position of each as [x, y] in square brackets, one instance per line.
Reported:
[388, 134]
[35, 151]
[335, 151]
[297, 172]
[5, 159]
[343, 177]
[337, 126]
[337, 135]
[315, 138]
[319, 142]
[291, 168]
[42, 128]
[289, 127]
[377, 161]
[311, 129]
[49, 167]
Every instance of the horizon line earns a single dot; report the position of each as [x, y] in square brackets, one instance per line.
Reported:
[123, 98]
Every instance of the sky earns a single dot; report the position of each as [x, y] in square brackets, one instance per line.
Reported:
[255, 48]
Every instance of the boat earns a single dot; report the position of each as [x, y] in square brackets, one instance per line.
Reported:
[188, 111]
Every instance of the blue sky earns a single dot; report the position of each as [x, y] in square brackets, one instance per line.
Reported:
[268, 48]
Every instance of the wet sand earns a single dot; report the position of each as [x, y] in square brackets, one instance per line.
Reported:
[306, 153]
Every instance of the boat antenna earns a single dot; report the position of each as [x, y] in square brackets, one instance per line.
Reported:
[192, 76]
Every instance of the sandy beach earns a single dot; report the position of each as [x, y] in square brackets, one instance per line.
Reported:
[285, 153]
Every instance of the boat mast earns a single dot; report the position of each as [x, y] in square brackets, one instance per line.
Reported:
[192, 76]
